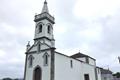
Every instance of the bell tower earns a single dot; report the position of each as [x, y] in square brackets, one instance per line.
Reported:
[39, 63]
[44, 27]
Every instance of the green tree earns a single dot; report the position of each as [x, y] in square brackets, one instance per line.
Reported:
[117, 74]
[6, 79]
[16, 79]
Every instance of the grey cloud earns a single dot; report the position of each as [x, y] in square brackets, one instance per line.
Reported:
[105, 50]
[19, 15]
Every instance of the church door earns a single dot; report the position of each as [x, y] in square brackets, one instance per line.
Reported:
[37, 74]
[86, 76]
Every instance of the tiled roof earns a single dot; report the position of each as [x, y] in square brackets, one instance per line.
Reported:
[105, 71]
[79, 55]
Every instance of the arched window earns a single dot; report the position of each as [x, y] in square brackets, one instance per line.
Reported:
[45, 57]
[30, 58]
[40, 28]
[49, 29]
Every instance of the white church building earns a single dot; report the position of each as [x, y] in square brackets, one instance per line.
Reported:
[44, 63]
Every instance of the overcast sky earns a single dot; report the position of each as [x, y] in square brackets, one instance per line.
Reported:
[89, 26]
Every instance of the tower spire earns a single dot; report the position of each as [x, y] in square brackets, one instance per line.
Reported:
[45, 7]
[45, 1]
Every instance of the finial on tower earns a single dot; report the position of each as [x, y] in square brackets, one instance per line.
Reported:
[45, 7]
[45, 1]
[28, 45]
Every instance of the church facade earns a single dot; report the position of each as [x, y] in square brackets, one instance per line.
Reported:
[44, 63]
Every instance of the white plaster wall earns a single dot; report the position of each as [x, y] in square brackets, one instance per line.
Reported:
[44, 29]
[82, 59]
[63, 70]
[48, 42]
[88, 69]
[43, 46]
[98, 74]
[33, 49]
[51, 29]
[91, 61]
[38, 60]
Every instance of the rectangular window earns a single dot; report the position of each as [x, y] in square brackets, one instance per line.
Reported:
[86, 77]
[71, 63]
[87, 60]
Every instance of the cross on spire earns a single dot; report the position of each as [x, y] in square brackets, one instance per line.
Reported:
[45, 7]
[45, 1]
